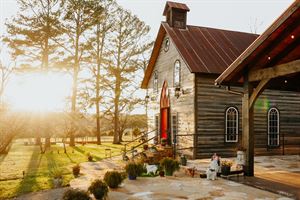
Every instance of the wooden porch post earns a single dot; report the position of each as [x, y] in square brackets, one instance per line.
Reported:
[247, 125]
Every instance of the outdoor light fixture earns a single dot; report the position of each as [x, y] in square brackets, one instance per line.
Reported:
[147, 97]
[177, 92]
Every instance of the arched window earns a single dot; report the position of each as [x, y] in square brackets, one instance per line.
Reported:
[232, 124]
[167, 44]
[177, 73]
[273, 127]
[155, 82]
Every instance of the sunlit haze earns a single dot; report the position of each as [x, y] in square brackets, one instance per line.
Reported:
[42, 92]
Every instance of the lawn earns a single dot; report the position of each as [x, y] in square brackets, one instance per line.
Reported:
[38, 167]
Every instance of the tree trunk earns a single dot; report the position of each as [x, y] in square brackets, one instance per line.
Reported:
[75, 82]
[47, 142]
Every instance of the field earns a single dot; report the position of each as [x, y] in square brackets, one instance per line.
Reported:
[24, 169]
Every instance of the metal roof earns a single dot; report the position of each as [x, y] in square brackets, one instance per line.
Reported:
[204, 50]
[176, 5]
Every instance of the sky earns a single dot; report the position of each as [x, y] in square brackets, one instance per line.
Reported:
[237, 15]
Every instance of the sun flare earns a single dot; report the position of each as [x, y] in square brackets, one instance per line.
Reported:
[39, 92]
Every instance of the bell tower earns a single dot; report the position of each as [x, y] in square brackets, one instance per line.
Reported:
[176, 14]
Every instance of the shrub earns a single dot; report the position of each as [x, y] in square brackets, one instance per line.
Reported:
[76, 170]
[134, 169]
[99, 189]
[113, 179]
[169, 165]
[75, 194]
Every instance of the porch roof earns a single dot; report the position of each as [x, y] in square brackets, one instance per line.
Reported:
[278, 47]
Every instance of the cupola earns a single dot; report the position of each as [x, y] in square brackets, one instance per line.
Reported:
[176, 14]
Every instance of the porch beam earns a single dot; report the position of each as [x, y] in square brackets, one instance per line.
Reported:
[247, 125]
[276, 71]
[257, 91]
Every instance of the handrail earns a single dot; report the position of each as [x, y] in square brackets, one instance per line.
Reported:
[142, 136]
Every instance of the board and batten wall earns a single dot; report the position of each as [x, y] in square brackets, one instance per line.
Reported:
[211, 104]
[183, 107]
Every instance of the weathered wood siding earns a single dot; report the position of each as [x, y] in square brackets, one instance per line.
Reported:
[183, 107]
[212, 102]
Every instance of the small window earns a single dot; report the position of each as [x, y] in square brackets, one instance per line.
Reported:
[177, 73]
[232, 125]
[273, 127]
[167, 44]
[155, 82]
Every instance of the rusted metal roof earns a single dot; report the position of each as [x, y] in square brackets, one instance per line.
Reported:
[279, 44]
[204, 50]
[176, 5]
[209, 50]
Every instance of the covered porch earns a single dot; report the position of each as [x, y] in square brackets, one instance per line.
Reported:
[272, 61]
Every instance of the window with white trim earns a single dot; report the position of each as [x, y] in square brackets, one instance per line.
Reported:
[231, 124]
[155, 82]
[273, 127]
[177, 73]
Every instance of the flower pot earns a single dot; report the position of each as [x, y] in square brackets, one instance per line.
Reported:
[225, 170]
[131, 177]
[162, 174]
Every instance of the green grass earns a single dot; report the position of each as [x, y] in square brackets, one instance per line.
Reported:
[38, 167]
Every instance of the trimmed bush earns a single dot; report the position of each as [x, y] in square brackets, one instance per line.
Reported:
[75, 194]
[113, 179]
[76, 170]
[99, 189]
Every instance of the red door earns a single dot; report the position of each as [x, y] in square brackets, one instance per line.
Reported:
[164, 123]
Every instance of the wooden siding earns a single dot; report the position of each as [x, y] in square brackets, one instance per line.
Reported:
[211, 103]
[183, 106]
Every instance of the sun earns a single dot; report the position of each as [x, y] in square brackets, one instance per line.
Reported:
[39, 92]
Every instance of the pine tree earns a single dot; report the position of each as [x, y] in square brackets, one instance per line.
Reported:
[79, 17]
[128, 42]
[31, 33]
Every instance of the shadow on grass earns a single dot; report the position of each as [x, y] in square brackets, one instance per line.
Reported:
[79, 150]
[29, 181]
[96, 158]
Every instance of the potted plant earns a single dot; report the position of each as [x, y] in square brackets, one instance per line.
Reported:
[133, 170]
[99, 189]
[76, 170]
[225, 167]
[90, 157]
[163, 142]
[113, 179]
[169, 165]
